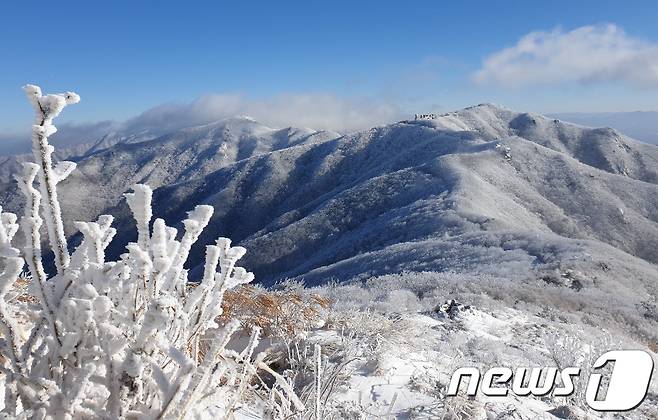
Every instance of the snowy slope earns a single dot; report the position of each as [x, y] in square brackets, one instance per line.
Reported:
[425, 194]
[407, 373]
[602, 148]
[641, 125]
[484, 189]
[117, 161]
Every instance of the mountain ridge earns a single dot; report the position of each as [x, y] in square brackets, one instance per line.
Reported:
[471, 191]
[324, 188]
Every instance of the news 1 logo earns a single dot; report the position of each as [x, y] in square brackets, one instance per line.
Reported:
[627, 384]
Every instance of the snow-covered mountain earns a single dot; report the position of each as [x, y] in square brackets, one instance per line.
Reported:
[110, 166]
[482, 190]
[641, 125]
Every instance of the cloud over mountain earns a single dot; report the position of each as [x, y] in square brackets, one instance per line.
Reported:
[323, 111]
[598, 53]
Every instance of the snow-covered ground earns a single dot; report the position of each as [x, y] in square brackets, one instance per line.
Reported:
[403, 365]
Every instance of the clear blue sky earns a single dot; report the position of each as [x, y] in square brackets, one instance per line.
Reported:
[125, 57]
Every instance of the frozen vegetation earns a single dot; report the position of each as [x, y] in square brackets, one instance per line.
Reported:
[124, 338]
[393, 256]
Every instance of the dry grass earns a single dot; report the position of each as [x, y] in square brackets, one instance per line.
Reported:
[286, 313]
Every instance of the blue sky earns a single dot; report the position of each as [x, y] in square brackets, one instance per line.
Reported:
[126, 57]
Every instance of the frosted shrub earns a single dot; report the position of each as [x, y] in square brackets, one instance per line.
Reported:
[117, 339]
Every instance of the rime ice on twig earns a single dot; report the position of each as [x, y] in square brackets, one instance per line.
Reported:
[47, 107]
[116, 338]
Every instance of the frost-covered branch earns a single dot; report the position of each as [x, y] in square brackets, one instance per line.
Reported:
[46, 108]
[31, 223]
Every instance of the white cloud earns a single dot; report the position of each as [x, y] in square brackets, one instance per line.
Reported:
[315, 110]
[588, 54]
